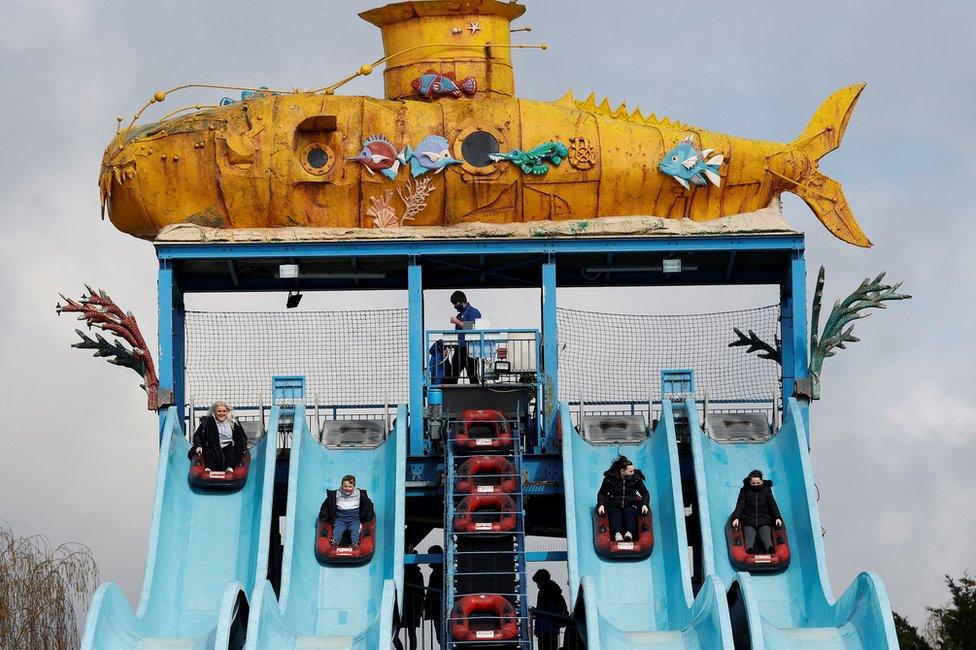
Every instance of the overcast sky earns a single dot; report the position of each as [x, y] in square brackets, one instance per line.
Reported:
[893, 435]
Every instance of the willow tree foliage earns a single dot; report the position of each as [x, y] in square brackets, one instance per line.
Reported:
[42, 586]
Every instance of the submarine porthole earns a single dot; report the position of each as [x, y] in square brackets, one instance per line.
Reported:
[476, 147]
[317, 158]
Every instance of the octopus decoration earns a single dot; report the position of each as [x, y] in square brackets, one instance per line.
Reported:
[414, 197]
[837, 331]
[537, 159]
[98, 310]
[434, 84]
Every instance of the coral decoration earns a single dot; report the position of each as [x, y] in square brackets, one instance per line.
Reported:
[838, 330]
[98, 310]
[414, 196]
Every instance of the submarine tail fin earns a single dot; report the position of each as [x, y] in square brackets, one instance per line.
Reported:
[826, 128]
[824, 195]
[826, 198]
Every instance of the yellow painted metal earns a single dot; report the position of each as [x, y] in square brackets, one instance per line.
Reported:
[246, 165]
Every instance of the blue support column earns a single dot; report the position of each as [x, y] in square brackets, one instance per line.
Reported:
[415, 332]
[793, 331]
[550, 362]
[179, 351]
[166, 291]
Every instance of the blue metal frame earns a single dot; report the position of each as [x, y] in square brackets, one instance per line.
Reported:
[793, 332]
[171, 336]
[485, 247]
[550, 357]
[417, 356]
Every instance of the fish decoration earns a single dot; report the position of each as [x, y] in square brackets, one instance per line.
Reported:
[433, 84]
[685, 163]
[379, 155]
[534, 161]
[260, 93]
[432, 154]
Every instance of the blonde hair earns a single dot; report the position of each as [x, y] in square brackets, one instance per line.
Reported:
[230, 410]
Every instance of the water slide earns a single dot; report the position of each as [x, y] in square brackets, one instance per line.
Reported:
[336, 606]
[795, 608]
[206, 550]
[638, 603]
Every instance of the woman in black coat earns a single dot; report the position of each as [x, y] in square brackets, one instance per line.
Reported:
[622, 493]
[756, 510]
[220, 439]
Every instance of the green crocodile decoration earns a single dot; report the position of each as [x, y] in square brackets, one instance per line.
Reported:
[534, 161]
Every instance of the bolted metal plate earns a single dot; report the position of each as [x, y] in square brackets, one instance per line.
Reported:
[614, 429]
[739, 427]
[358, 434]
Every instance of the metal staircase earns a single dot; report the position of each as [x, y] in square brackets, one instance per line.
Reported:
[482, 562]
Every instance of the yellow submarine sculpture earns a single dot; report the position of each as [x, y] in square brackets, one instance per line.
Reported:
[450, 144]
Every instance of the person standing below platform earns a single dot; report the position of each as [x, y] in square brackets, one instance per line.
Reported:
[219, 439]
[467, 314]
[432, 599]
[550, 611]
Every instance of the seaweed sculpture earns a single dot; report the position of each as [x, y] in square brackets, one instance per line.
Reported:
[838, 331]
[98, 310]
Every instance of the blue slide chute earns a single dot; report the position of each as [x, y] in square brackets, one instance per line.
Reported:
[794, 608]
[336, 606]
[206, 550]
[644, 603]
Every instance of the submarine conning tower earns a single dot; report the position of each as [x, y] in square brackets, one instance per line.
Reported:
[470, 38]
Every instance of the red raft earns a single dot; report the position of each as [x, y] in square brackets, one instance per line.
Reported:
[757, 562]
[483, 617]
[497, 514]
[482, 429]
[330, 554]
[638, 548]
[486, 475]
[202, 477]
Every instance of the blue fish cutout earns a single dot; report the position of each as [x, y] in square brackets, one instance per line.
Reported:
[685, 163]
[432, 154]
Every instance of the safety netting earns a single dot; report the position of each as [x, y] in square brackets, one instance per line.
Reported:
[355, 357]
[618, 358]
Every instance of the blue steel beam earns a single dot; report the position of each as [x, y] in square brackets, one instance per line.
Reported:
[550, 356]
[416, 358]
[793, 332]
[166, 290]
[487, 247]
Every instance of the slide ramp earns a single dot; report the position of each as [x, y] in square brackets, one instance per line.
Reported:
[206, 550]
[336, 606]
[794, 608]
[644, 603]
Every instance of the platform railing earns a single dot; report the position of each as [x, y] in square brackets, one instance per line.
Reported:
[498, 356]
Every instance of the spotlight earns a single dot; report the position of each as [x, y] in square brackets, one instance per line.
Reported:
[294, 297]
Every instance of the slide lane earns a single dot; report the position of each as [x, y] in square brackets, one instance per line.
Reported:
[206, 550]
[794, 608]
[638, 603]
[336, 606]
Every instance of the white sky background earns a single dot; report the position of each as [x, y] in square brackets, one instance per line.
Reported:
[893, 442]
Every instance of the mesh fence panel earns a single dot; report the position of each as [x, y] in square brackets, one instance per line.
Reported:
[619, 357]
[347, 357]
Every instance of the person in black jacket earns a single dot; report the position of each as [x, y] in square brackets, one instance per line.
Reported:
[755, 510]
[549, 601]
[346, 509]
[220, 439]
[622, 493]
[432, 599]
